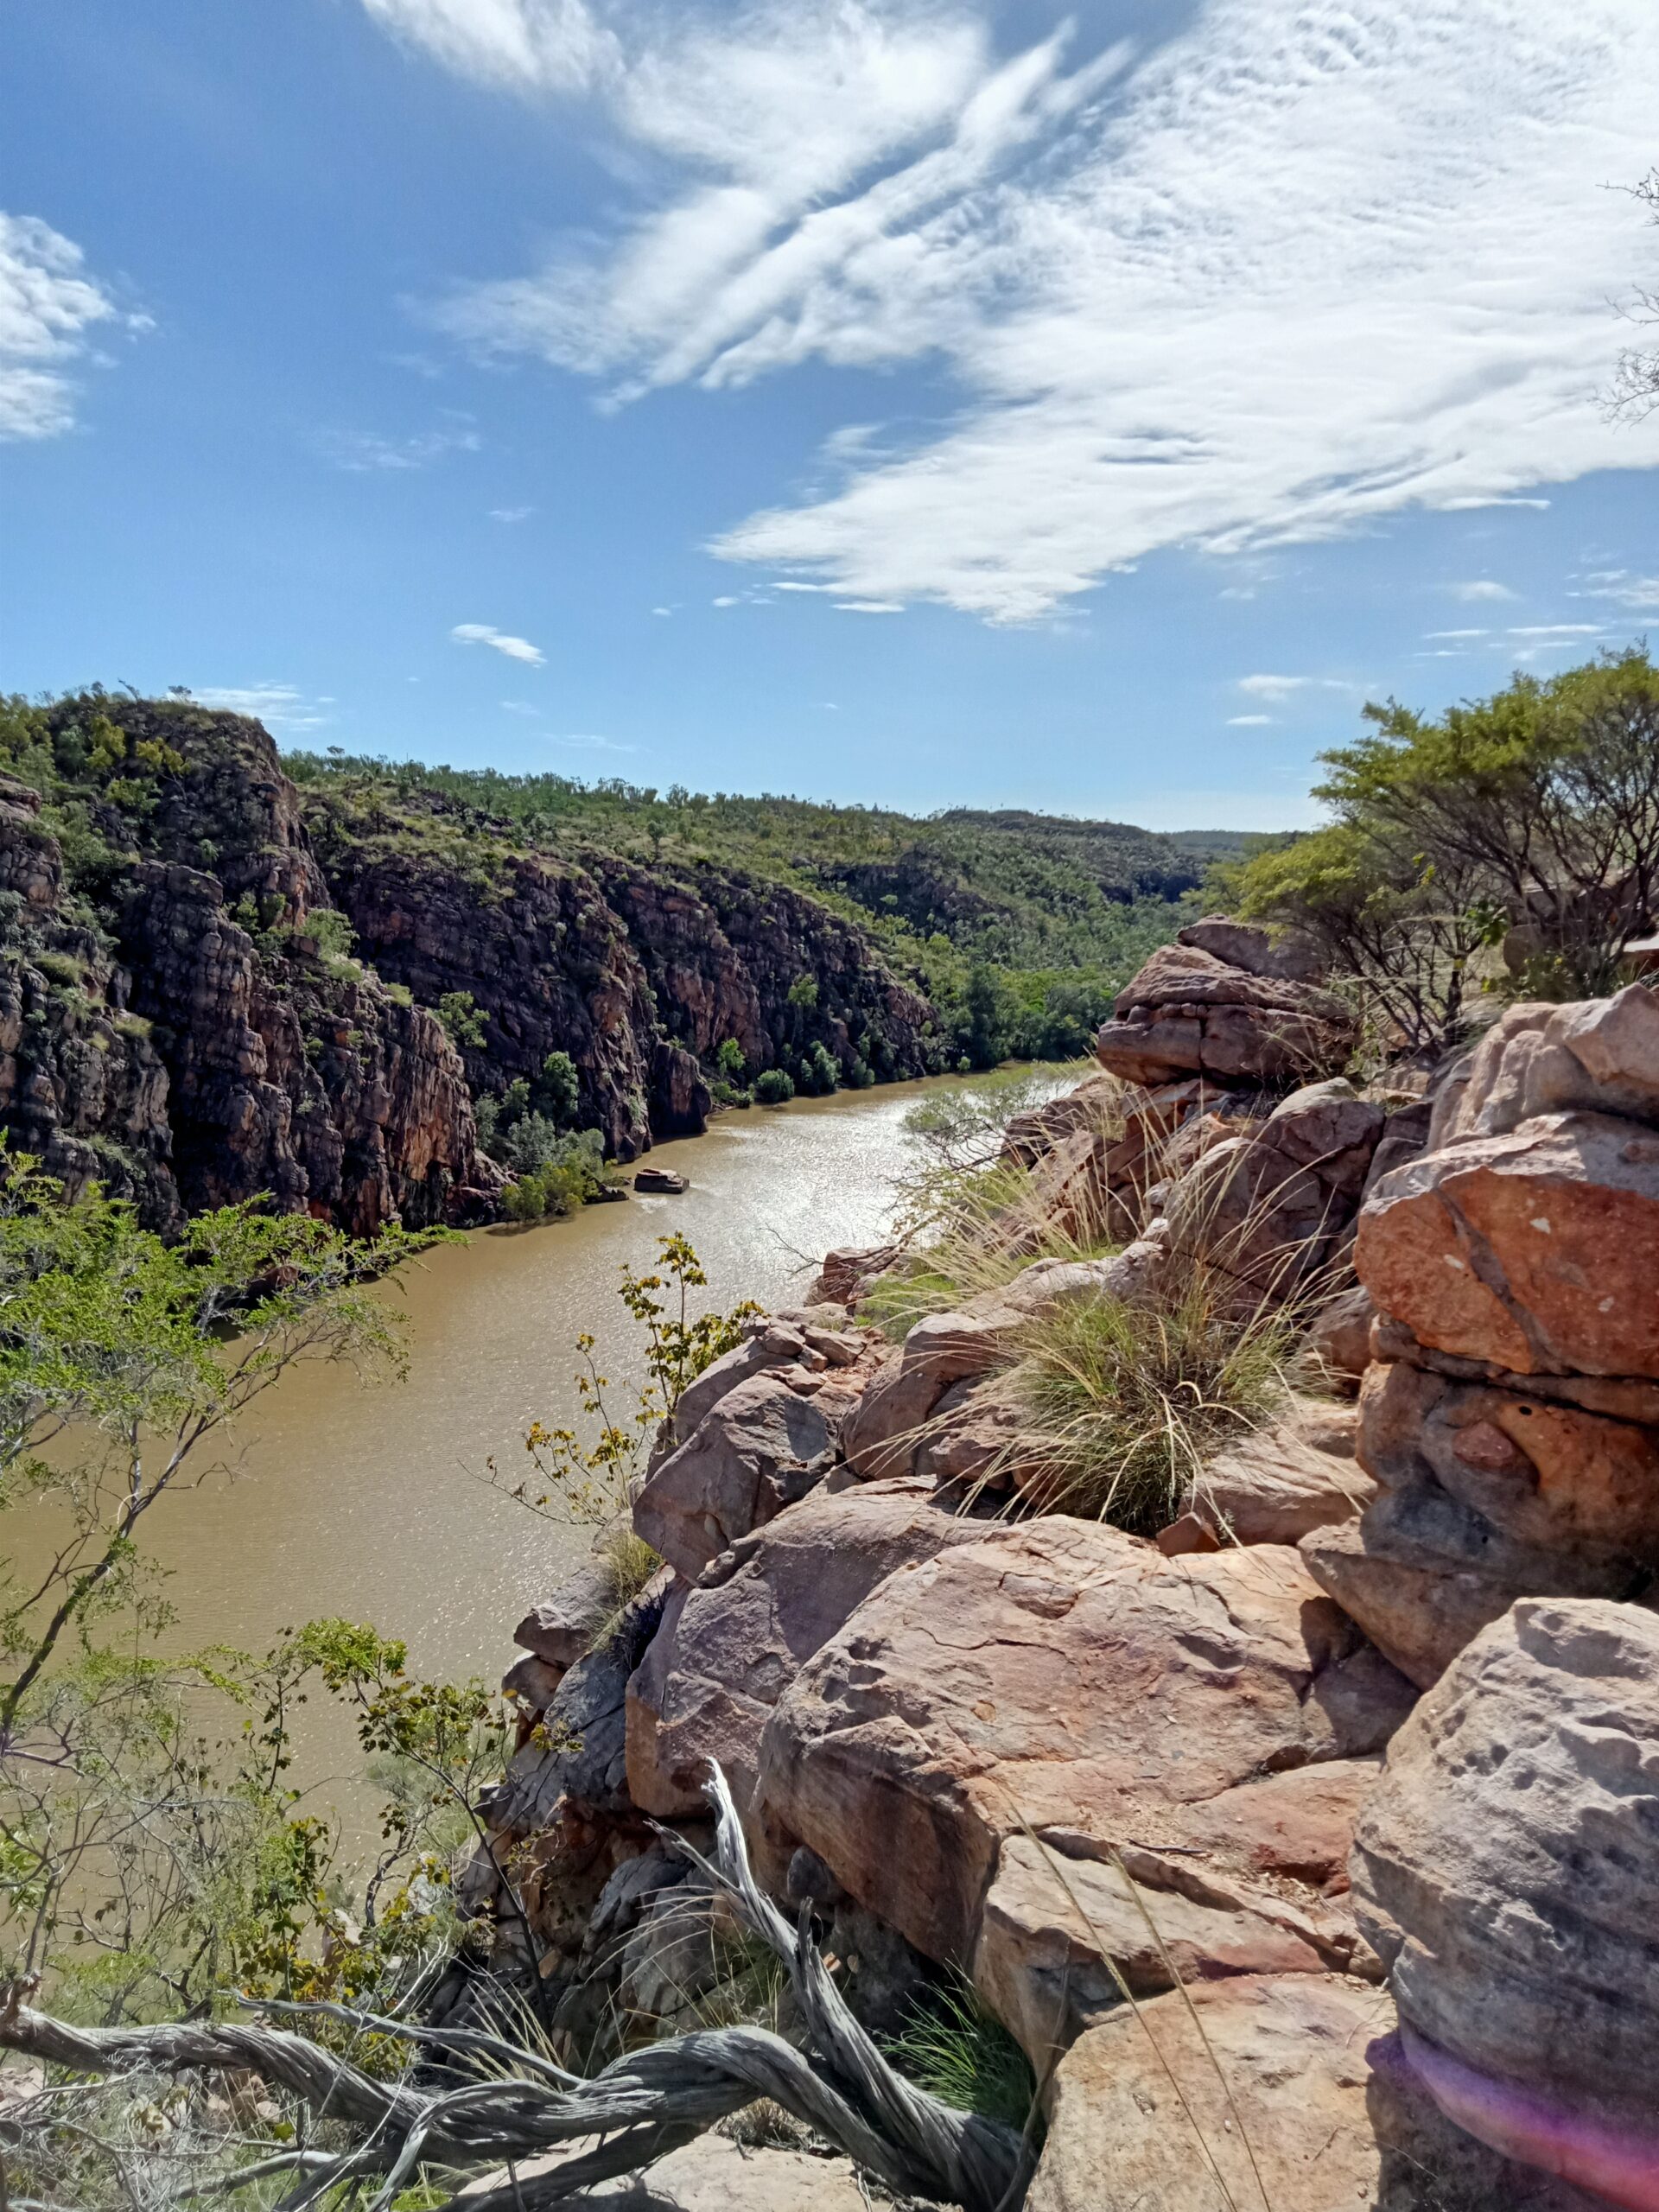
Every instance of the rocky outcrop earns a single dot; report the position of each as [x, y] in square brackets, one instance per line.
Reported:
[1275, 1485]
[1036, 1684]
[762, 1430]
[730, 1645]
[1287, 2091]
[1513, 1426]
[1191, 1012]
[1506, 1869]
[640, 975]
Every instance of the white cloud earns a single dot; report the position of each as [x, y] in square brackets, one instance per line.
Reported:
[587, 743]
[281, 707]
[363, 453]
[519, 706]
[1457, 633]
[1640, 594]
[1248, 721]
[1308, 263]
[524, 45]
[481, 634]
[1480, 588]
[1280, 687]
[510, 514]
[48, 305]
[1558, 629]
[870, 606]
[665, 612]
[727, 599]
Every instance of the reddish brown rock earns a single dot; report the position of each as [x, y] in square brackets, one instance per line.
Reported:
[1188, 1013]
[1060, 1675]
[1242, 944]
[764, 1444]
[728, 1648]
[1275, 1484]
[1506, 1867]
[1487, 1493]
[1531, 1249]
[844, 1272]
[1095, 1107]
[1286, 2091]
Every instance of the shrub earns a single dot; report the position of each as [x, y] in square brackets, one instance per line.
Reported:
[1135, 1398]
[457, 1012]
[954, 2046]
[58, 968]
[773, 1087]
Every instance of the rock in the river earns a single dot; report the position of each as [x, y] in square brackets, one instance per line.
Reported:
[1064, 1676]
[1506, 1867]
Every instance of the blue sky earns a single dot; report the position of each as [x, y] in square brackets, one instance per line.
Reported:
[911, 400]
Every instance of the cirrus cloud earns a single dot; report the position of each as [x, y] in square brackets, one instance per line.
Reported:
[1304, 264]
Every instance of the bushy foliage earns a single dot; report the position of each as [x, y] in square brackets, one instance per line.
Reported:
[553, 1174]
[1530, 817]
[588, 1478]
[773, 1087]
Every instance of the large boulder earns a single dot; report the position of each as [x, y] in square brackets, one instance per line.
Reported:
[1189, 1012]
[1488, 1493]
[1267, 1211]
[1598, 1056]
[766, 1442]
[563, 1628]
[1062, 1679]
[1280, 2092]
[1244, 944]
[1531, 1248]
[1506, 1868]
[728, 1648]
[1094, 1108]
[1275, 1484]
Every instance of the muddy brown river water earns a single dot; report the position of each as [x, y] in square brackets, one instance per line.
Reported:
[368, 1501]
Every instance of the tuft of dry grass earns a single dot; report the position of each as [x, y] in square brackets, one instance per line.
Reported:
[956, 1205]
[1133, 1399]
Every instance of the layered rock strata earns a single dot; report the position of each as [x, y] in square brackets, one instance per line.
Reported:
[1512, 1425]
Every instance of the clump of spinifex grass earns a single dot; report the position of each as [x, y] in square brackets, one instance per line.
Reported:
[1133, 1399]
[954, 2045]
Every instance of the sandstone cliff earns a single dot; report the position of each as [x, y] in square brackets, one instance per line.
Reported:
[182, 1015]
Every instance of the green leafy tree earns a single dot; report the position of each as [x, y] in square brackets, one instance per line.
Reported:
[459, 1012]
[558, 1091]
[774, 1087]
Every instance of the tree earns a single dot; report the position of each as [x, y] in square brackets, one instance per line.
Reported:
[558, 1093]
[1537, 809]
[168, 1860]
[990, 1013]
[1636, 383]
[457, 1012]
[1406, 932]
[729, 1061]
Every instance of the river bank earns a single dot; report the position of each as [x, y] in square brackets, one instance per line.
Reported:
[371, 1500]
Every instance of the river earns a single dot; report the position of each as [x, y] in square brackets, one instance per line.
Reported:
[367, 1500]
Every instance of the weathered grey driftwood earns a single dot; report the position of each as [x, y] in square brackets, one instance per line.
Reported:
[642, 2106]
